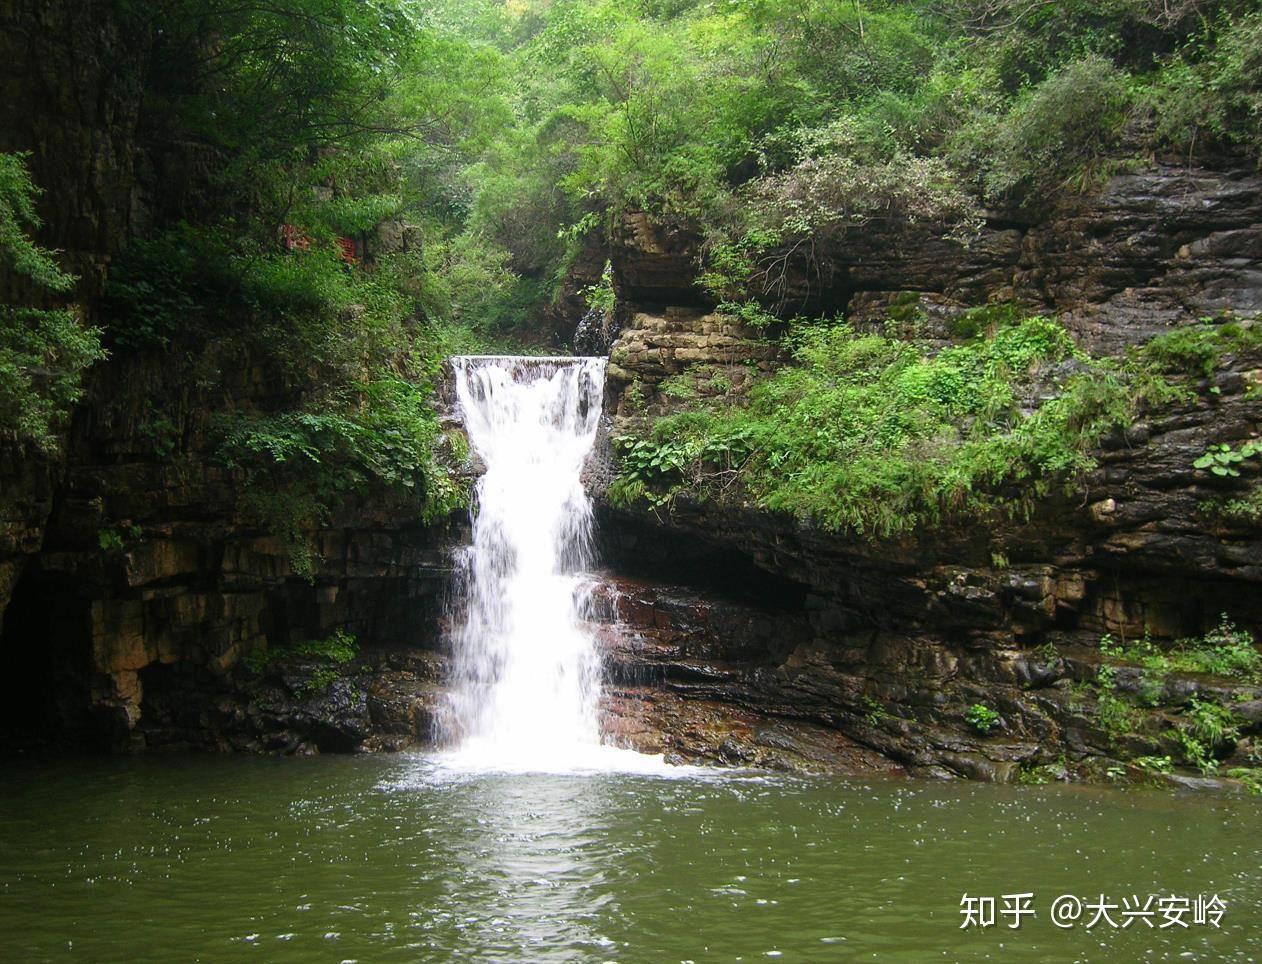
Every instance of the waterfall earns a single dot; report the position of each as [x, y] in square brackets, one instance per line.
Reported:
[526, 673]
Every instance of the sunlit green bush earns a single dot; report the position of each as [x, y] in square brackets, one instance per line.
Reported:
[878, 436]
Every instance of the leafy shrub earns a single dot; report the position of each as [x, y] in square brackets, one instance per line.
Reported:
[297, 281]
[339, 648]
[470, 281]
[837, 189]
[299, 465]
[601, 296]
[1199, 349]
[163, 286]
[1205, 729]
[879, 436]
[1210, 723]
[1059, 131]
[1116, 717]
[43, 351]
[1225, 650]
[22, 255]
[1211, 90]
[981, 718]
[348, 215]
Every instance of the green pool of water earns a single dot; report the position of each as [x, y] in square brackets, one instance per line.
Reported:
[387, 858]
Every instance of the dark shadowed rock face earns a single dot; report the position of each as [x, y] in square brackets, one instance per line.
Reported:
[384, 700]
[133, 563]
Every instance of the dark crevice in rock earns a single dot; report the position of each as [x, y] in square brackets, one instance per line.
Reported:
[46, 646]
[635, 549]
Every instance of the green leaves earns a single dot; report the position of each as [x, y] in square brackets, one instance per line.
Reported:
[1222, 460]
[601, 296]
[879, 436]
[335, 650]
[981, 718]
[43, 351]
[17, 216]
[299, 466]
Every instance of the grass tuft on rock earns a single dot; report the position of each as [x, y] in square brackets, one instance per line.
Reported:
[877, 436]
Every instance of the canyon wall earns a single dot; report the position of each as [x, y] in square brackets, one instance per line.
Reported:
[889, 642]
[133, 580]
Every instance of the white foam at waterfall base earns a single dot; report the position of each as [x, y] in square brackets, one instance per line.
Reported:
[526, 674]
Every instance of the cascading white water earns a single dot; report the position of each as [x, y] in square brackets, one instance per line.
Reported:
[526, 681]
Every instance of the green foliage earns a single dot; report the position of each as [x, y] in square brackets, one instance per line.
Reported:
[162, 286]
[43, 351]
[644, 463]
[880, 436]
[22, 255]
[287, 74]
[1057, 131]
[1116, 717]
[1246, 510]
[347, 341]
[114, 540]
[1251, 777]
[678, 386]
[43, 354]
[510, 137]
[1205, 729]
[634, 397]
[1210, 723]
[873, 712]
[1225, 650]
[1195, 752]
[1210, 91]
[1154, 764]
[471, 283]
[1037, 776]
[319, 681]
[320, 658]
[981, 718]
[299, 465]
[1152, 689]
[1199, 349]
[1222, 459]
[807, 119]
[1044, 773]
[601, 296]
[839, 189]
[349, 215]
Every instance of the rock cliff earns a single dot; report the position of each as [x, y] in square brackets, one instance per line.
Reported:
[134, 584]
[132, 580]
[889, 642]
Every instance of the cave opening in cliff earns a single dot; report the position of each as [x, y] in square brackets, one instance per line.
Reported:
[46, 645]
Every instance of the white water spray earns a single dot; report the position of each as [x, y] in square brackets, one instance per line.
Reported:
[526, 685]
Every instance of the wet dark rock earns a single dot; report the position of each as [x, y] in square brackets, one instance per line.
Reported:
[596, 331]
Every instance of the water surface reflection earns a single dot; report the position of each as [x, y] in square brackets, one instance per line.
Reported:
[383, 859]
